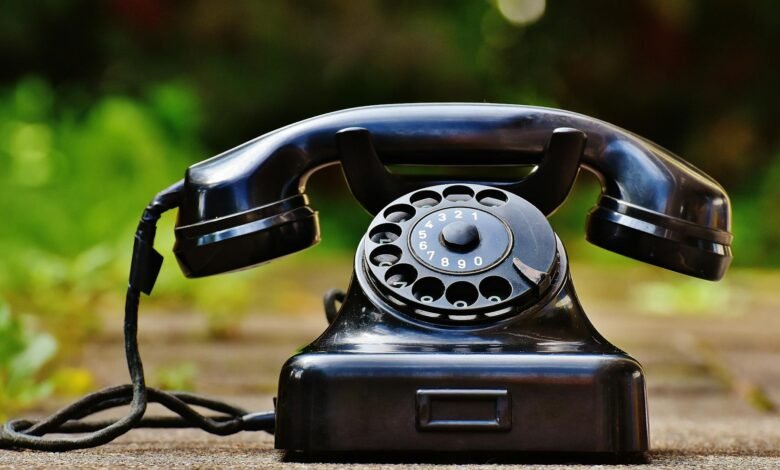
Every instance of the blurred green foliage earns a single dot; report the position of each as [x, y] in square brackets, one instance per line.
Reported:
[70, 178]
[23, 353]
[73, 181]
[102, 104]
[142, 87]
[180, 376]
[687, 297]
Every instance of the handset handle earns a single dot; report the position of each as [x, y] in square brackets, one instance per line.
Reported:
[374, 186]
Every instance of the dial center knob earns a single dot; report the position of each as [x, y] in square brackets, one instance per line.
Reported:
[460, 236]
[460, 240]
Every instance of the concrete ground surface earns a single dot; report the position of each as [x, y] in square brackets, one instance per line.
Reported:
[713, 385]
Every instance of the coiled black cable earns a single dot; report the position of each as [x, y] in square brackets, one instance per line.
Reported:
[28, 434]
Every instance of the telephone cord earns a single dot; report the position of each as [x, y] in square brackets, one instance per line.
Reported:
[22, 434]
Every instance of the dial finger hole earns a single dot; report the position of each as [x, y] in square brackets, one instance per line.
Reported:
[425, 199]
[492, 198]
[399, 213]
[458, 193]
[384, 233]
[401, 275]
[385, 256]
[428, 289]
[462, 294]
[495, 289]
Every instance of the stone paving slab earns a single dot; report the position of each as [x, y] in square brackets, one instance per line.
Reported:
[695, 441]
[698, 417]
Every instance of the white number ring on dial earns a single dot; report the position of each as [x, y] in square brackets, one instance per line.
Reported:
[425, 241]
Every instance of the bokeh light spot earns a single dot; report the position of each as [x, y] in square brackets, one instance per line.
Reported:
[522, 12]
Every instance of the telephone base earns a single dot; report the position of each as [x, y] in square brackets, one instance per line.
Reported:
[462, 402]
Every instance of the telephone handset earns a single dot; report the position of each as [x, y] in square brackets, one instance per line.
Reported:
[461, 329]
[248, 206]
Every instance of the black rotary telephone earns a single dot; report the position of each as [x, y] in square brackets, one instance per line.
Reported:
[461, 330]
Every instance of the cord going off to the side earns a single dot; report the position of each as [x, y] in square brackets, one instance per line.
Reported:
[146, 262]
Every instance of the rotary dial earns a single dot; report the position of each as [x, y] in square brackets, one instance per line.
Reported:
[459, 253]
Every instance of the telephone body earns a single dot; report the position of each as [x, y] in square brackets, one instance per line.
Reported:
[461, 329]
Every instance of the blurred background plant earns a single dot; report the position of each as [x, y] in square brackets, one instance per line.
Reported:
[179, 376]
[103, 103]
[23, 353]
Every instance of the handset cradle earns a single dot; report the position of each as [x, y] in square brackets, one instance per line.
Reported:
[374, 187]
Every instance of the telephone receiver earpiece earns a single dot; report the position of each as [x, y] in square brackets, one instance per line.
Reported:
[247, 205]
